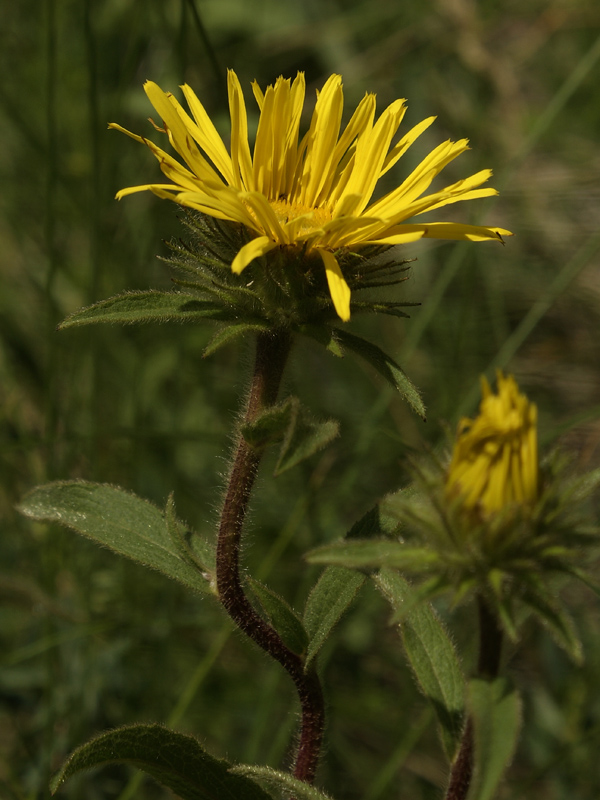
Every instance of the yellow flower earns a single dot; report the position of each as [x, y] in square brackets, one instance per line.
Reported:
[495, 460]
[314, 192]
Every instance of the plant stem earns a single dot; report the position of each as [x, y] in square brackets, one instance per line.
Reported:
[490, 650]
[271, 354]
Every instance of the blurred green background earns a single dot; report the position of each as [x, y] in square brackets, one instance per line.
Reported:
[90, 641]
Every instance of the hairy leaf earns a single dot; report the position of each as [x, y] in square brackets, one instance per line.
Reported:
[332, 594]
[173, 759]
[496, 712]
[148, 306]
[432, 657]
[386, 366]
[282, 616]
[119, 520]
[282, 781]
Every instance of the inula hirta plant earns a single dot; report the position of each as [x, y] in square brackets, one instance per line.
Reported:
[282, 240]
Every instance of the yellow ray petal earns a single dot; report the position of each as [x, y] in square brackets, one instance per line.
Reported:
[322, 138]
[207, 136]
[371, 150]
[446, 230]
[402, 146]
[240, 150]
[254, 249]
[265, 215]
[338, 288]
[167, 107]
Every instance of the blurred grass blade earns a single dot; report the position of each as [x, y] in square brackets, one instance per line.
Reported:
[495, 708]
[173, 759]
[432, 657]
[121, 521]
[333, 593]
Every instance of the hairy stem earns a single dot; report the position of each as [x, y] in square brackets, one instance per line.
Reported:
[490, 650]
[271, 354]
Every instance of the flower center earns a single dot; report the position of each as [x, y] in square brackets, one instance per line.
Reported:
[314, 218]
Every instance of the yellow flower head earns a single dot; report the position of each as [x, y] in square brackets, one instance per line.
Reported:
[312, 192]
[495, 460]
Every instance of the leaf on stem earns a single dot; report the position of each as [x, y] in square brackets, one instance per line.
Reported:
[372, 553]
[173, 759]
[291, 424]
[281, 781]
[230, 332]
[123, 522]
[281, 616]
[432, 657]
[495, 708]
[385, 366]
[147, 306]
[330, 597]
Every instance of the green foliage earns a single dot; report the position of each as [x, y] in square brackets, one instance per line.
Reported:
[282, 782]
[153, 306]
[292, 425]
[127, 524]
[385, 366]
[281, 616]
[173, 759]
[495, 709]
[432, 657]
[329, 599]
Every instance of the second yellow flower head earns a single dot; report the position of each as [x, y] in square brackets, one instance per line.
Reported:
[495, 459]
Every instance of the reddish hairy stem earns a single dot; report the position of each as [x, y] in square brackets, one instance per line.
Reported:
[271, 354]
[490, 650]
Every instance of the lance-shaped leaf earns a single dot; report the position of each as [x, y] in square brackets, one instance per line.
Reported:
[386, 366]
[230, 332]
[282, 782]
[173, 759]
[371, 553]
[432, 657]
[289, 423]
[495, 709]
[332, 594]
[282, 616]
[120, 521]
[148, 306]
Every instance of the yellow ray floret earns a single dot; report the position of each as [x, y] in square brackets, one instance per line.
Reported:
[495, 459]
[315, 191]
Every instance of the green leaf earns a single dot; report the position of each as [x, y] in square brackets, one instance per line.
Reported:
[386, 366]
[173, 759]
[301, 436]
[231, 332]
[373, 553]
[332, 594]
[191, 546]
[324, 336]
[496, 712]
[369, 526]
[304, 437]
[432, 657]
[151, 306]
[282, 616]
[282, 781]
[270, 425]
[119, 520]
[556, 619]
